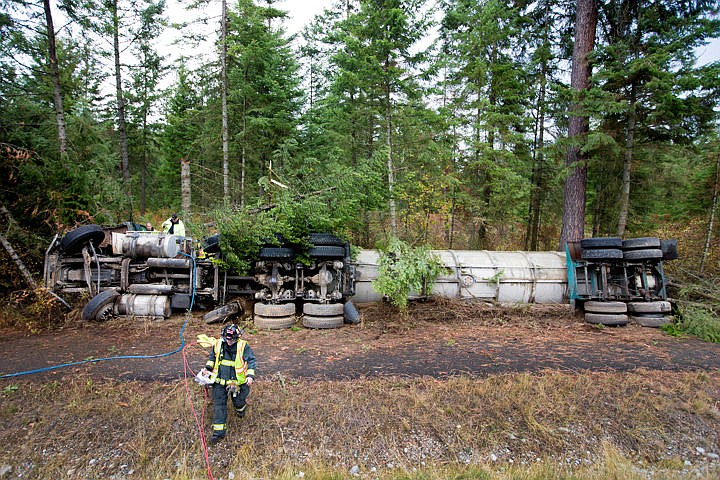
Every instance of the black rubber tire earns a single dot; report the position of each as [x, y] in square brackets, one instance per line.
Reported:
[105, 313]
[311, 321]
[606, 319]
[351, 313]
[649, 307]
[605, 307]
[651, 320]
[73, 241]
[640, 243]
[273, 323]
[96, 304]
[601, 242]
[669, 249]
[323, 309]
[327, 251]
[602, 254]
[321, 239]
[220, 314]
[276, 253]
[274, 310]
[648, 254]
[212, 244]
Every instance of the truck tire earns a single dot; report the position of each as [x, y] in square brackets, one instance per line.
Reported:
[602, 254]
[610, 320]
[220, 314]
[605, 307]
[212, 244]
[327, 251]
[74, 240]
[311, 321]
[352, 316]
[276, 253]
[645, 254]
[96, 304]
[323, 309]
[669, 249]
[649, 307]
[273, 323]
[274, 310]
[640, 243]
[325, 239]
[652, 320]
[601, 242]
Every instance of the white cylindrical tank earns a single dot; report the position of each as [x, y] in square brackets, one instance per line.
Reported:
[504, 277]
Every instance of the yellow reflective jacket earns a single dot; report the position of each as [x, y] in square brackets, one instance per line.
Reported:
[244, 362]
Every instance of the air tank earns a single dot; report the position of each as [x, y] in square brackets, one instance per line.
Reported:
[144, 245]
[134, 305]
[503, 277]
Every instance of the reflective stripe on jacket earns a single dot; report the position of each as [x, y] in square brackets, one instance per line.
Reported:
[239, 363]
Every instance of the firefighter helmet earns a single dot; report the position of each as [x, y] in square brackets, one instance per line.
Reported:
[231, 332]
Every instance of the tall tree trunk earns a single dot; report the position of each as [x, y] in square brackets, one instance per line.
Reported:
[390, 166]
[55, 79]
[143, 171]
[573, 223]
[713, 210]
[225, 140]
[538, 175]
[122, 132]
[243, 153]
[627, 165]
[531, 241]
[185, 190]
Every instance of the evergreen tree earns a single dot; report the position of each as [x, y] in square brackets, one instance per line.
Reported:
[657, 100]
[264, 96]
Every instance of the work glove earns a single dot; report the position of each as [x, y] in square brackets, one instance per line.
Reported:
[232, 388]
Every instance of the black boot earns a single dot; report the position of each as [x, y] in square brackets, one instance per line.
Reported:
[216, 437]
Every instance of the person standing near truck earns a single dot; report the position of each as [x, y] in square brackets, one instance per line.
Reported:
[174, 226]
[232, 363]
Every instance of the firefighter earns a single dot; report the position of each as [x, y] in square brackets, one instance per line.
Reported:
[232, 363]
[174, 226]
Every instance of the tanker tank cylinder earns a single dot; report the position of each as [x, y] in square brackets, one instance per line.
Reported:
[144, 246]
[511, 277]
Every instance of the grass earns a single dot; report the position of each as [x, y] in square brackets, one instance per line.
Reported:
[552, 426]
[698, 321]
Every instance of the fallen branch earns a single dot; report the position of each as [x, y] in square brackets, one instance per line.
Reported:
[18, 261]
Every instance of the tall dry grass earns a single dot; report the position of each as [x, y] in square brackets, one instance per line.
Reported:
[554, 425]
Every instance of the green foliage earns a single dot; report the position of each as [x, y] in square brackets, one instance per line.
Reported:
[403, 269]
[702, 322]
[8, 389]
[288, 222]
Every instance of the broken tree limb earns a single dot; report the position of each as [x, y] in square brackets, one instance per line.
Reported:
[18, 261]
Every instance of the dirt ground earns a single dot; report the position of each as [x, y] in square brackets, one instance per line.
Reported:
[438, 338]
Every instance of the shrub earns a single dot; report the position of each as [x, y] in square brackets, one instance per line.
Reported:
[403, 269]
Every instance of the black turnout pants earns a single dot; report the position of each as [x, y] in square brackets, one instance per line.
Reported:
[220, 397]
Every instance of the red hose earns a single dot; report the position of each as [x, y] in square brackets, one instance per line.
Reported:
[200, 422]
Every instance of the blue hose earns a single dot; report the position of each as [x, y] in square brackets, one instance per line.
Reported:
[121, 357]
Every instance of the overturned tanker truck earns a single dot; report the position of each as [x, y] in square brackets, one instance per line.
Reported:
[140, 274]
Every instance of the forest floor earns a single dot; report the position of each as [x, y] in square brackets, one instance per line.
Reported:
[670, 400]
